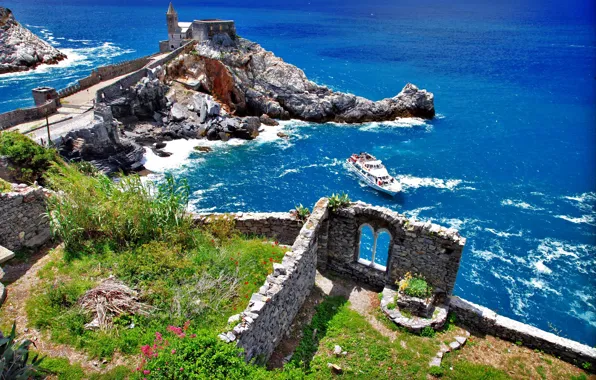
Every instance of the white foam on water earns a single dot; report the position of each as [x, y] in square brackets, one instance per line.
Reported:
[288, 171]
[411, 182]
[503, 233]
[413, 214]
[540, 267]
[539, 284]
[584, 219]
[402, 122]
[520, 204]
[180, 149]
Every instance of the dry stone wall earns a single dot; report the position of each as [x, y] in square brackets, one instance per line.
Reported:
[23, 115]
[423, 248]
[483, 320]
[279, 226]
[22, 218]
[271, 311]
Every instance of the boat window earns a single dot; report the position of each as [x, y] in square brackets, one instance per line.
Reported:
[366, 245]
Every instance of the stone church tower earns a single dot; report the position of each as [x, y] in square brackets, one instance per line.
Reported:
[172, 20]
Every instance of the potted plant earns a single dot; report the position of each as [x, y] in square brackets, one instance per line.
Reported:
[415, 294]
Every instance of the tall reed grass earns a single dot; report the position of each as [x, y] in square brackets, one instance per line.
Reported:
[124, 213]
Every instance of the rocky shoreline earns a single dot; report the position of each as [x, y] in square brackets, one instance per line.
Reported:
[20, 49]
[222, 90]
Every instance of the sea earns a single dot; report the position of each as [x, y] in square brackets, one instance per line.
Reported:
[510, 159]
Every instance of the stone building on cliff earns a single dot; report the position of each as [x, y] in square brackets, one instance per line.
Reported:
[180, 33]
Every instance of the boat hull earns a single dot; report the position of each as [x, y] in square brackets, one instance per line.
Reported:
[370, 183]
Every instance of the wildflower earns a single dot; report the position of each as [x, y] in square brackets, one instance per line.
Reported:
[236, 263]
[186, 324]
[173, 352]
[195, 335]
[146, 372]
[271, 259]
[264, 263]
[175, 330]
[146, 350]
[158, 336]
[181, 369]
[246, 283]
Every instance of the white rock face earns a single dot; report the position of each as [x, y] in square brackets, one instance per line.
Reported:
[20, 49]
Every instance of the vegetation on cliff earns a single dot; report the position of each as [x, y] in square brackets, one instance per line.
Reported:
[28, 160]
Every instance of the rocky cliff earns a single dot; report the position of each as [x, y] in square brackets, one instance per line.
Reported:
[20, 49]
[251, 81]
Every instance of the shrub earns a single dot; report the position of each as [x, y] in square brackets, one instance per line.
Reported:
[337, 201]
[30, 160]
[391, 305]
[301, 212]
[123, 213]
[436, 371]
[428, 332]
[5, 187]
[221, 226]
[178, 354]
[14, 358]
[415, 286]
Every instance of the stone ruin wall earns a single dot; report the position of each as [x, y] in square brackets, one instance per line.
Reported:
[271, 311]
[329, 240]
[485, 321]
[23, 115]
[420, 248]
[279, 226]
[23, 223]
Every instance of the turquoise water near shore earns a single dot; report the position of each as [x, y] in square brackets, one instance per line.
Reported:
[510, 160]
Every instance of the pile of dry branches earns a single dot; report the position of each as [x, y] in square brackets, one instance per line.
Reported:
[110, 299]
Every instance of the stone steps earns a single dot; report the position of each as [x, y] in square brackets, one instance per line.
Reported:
[5, 254]
[458, 343]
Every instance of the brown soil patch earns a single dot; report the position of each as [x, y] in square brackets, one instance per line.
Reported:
[21, 280]
[519, 362]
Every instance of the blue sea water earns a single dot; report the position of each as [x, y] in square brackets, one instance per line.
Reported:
[510, 161]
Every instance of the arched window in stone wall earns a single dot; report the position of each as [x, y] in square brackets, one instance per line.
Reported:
[373, 247]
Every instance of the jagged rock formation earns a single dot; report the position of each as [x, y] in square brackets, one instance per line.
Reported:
[20, 49]
[250, 81]
[102, 145]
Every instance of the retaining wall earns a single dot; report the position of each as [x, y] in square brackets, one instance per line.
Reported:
[23, 115]
[483, 320]
[279, 226]
[22, 218]
[272, 310]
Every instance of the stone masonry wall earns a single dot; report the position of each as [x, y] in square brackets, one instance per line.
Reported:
[279, 226]
[271, 311]
[420, 248]
[22, 115]
[22, 218]
[483, 320]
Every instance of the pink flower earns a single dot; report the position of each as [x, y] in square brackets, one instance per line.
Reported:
[175, 330]
[146, 372]
[146, 350]
[181, 369]
[173, 352]
[193, 336]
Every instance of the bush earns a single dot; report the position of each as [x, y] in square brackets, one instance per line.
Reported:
[436, 371]
[415, 286]
[178, 354]
[14, 359]
[29, 159]
[337, 201]
[301, 212]
[428, 332]
[122, 213]
[5, 187]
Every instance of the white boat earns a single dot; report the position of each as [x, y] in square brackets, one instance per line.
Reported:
[373, 173]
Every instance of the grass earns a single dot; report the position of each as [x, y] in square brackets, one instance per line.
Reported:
[143, 237]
